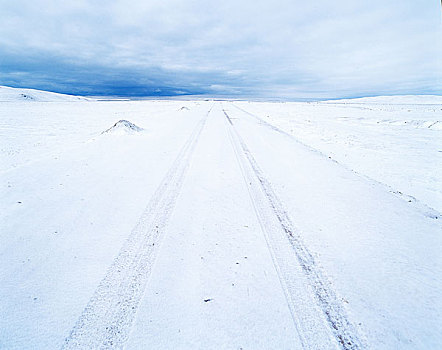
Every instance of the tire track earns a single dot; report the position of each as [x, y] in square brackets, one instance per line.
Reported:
[318, 313]
[282, 132]
[108, 317]
[422, 207]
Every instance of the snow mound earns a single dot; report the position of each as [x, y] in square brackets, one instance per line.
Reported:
[184, 108]
[9, 94]
[398, 99]
[123, 127]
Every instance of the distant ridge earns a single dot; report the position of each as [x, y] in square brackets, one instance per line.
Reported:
[396, 99]
[9, 94]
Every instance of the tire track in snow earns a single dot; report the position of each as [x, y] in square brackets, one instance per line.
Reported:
[422, 207]
[108, 317]
[318, 313]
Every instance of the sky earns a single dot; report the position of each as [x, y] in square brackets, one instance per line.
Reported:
[277, 49]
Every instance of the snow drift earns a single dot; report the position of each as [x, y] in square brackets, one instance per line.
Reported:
[123, 127]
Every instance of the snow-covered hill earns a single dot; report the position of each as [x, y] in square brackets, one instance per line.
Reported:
[9, 94]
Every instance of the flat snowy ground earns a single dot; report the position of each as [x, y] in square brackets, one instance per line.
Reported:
[221, 225]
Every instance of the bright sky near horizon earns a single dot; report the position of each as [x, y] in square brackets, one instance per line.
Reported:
[262, 48]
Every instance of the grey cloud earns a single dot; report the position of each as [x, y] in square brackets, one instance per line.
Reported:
[291, 48]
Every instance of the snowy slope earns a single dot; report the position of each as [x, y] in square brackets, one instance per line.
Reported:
[9, 94]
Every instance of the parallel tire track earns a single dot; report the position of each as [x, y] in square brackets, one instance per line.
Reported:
[318, 313]
[108, 317]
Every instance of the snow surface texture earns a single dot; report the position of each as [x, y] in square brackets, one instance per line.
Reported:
[229, 225]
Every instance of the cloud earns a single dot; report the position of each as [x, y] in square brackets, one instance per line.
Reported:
[287, 48]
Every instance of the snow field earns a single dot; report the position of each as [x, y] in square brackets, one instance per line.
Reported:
[285, 225]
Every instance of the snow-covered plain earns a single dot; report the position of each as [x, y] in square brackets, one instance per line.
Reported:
[221, 225]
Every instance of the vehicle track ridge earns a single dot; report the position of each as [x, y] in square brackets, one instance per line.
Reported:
[277, 225]
[107, 319]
